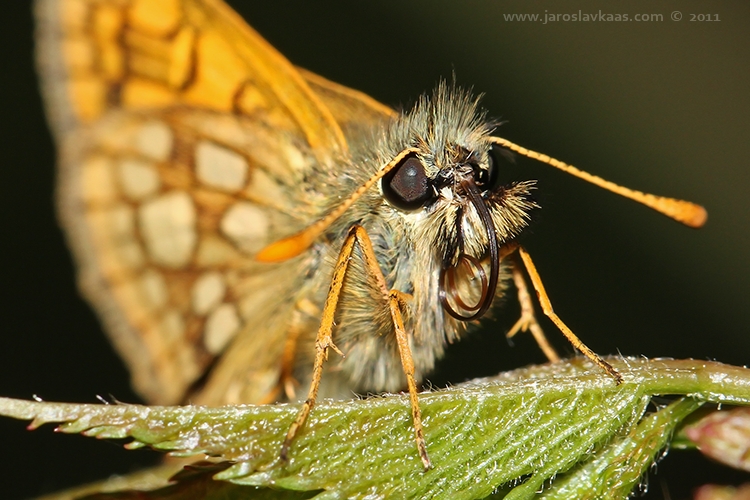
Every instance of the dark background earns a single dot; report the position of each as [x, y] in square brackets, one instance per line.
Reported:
[659, 106]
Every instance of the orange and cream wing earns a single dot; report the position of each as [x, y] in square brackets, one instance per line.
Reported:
[351, 108]
[99, 55]
[183, 142]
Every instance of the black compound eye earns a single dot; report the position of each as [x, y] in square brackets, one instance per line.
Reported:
[407, 186]
[489, 180]
[482, 177]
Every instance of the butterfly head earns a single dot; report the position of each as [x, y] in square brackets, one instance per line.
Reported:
[449, 190]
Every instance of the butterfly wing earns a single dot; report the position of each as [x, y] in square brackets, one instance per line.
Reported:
[184, 141]
[352, 110]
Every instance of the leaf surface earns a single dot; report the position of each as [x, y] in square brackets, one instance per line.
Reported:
[509, 434]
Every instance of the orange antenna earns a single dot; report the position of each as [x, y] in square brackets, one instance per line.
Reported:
[688, 213]
[294, 245]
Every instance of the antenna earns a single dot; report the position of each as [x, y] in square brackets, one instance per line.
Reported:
[688, 213]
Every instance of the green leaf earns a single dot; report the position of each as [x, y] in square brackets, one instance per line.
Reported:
[516, 431]
[616, 468]
[195, 482]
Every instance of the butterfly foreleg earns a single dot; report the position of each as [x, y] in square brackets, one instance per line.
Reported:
[305, 312]
[528, 321]
[544, 301]
[324, 340]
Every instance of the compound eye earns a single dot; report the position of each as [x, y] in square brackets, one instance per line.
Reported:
[407, 186]
[489, 180]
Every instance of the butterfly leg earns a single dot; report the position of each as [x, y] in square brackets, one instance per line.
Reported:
[396, 301]
[324, 340]
[286, 384]
[550, 313]
[304, 311]
[527, 321]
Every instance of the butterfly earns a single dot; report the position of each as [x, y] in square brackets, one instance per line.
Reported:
[235, 219]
